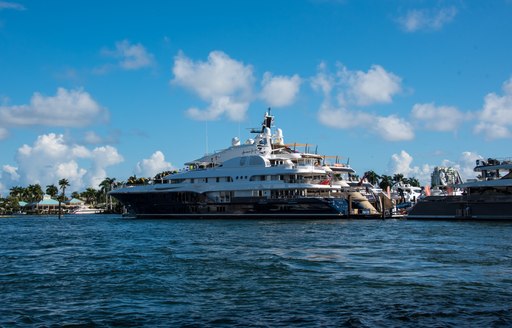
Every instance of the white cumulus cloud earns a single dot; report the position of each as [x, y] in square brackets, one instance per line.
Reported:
[130, 56]
[101, 158]
[495, 118]
[12, 171]
[390, 128]
[51, 157]
[354, 89]
[48, 160]
[402, 164]
[323, 81]
[222, 81]
[342, 118]
[377, 86]
[465, 164]
[280, 91]
[149, 167]
[68, 108]
[437, 118]
[427, 19]
[393, 128]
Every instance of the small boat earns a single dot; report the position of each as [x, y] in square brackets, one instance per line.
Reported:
[84, 209]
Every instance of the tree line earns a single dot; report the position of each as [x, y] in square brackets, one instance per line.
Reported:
[34, 193]
[385, 181]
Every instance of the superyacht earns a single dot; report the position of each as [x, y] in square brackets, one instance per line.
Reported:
[260, 178]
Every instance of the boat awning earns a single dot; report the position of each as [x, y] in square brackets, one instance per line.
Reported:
[486, 183]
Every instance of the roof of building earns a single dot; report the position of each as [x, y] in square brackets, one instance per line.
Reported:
[48, 201]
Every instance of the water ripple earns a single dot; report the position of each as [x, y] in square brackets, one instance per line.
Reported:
[108, 271]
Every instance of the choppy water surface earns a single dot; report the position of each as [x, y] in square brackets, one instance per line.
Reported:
[108, 271]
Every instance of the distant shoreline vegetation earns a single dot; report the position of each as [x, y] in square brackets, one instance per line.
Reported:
[34, 200]
[26, 200]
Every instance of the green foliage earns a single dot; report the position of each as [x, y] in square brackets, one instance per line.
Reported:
[385, 182]
[397, 178]
[372, 177]
[9, 205]
[412, 181]
[52, 190]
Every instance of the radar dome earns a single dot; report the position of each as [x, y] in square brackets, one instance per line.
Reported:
[278, 138]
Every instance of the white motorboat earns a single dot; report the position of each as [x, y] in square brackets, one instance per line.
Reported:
[84, 209]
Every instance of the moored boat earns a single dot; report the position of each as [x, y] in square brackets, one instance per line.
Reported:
[261, 178]
[487, 198]
[83, 209]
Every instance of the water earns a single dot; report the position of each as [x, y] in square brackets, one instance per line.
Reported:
[107, 271]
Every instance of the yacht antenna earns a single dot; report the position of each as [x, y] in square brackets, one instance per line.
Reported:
[267, 122]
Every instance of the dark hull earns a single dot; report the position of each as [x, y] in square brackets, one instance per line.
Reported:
[191, 205]
[463, 208]
[256, 216]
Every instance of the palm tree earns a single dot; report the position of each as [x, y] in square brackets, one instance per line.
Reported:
[63, 183]
[385, 182]
[412, 181]
[90, 195]
[17, 192]
[52, 190]
[397, 178]
[106, 186]
[34, 193]
[372, 177]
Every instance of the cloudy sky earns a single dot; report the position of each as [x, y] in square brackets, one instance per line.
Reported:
[95, 89]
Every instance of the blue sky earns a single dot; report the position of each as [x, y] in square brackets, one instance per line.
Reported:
[90, 89]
